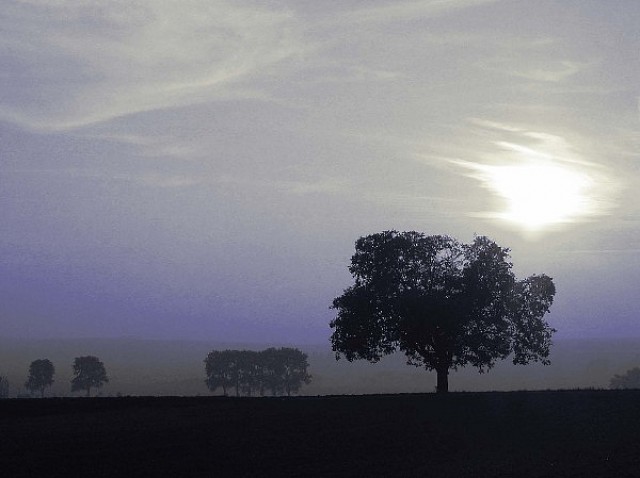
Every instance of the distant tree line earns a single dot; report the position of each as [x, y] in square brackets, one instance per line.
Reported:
[88, 372]
[277, 371]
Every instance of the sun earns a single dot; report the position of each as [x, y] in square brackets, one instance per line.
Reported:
[539, 195]
[541, 183]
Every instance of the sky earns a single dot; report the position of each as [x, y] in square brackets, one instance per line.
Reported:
[201, 169]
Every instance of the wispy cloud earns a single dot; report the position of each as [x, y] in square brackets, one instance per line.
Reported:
[553, 73]
[545, 68]
[170, 181]
[409, 10]
[341, 73]
[494, 125]
[151, 179]
[105, 60]
[329, 185]
[154, 146]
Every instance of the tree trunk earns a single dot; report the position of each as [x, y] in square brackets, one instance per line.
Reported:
[88, 391]
[443, 379]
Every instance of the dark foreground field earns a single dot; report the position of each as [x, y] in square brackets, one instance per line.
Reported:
[519, 434]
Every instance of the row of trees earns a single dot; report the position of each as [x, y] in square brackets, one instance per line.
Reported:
[276, 370]
[88, 372]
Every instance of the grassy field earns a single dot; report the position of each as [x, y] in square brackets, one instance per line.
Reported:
[519, 434]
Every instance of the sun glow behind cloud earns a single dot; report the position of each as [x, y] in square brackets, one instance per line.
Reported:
[543, 185]
[539, 195]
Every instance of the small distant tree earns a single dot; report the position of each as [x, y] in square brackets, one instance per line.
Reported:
[260, 372]
[296, 374]
[251, 372]
[219, 370]
[40, 376]
[273, 371]
[4, 387]
[291, 369]
[630, 379]
[230, 366]
[89, 372]
[234, 369]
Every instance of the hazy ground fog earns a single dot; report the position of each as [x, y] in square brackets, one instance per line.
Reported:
[148, 367]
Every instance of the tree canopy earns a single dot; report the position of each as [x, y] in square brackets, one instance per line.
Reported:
[89, 372]
[40, 376]
[218, 367]
[443, 303]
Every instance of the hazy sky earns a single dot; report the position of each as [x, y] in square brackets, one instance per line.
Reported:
[201, 169]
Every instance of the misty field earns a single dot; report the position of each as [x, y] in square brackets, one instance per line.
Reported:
[520, 434]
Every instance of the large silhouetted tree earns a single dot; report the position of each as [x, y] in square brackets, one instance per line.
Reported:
[89, 372]
[40, 376]
[443, 303]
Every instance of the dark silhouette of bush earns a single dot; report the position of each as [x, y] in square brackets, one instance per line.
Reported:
[89, 372]
[40, 376]
[630, 379]
[443, 303]
[280, 371]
